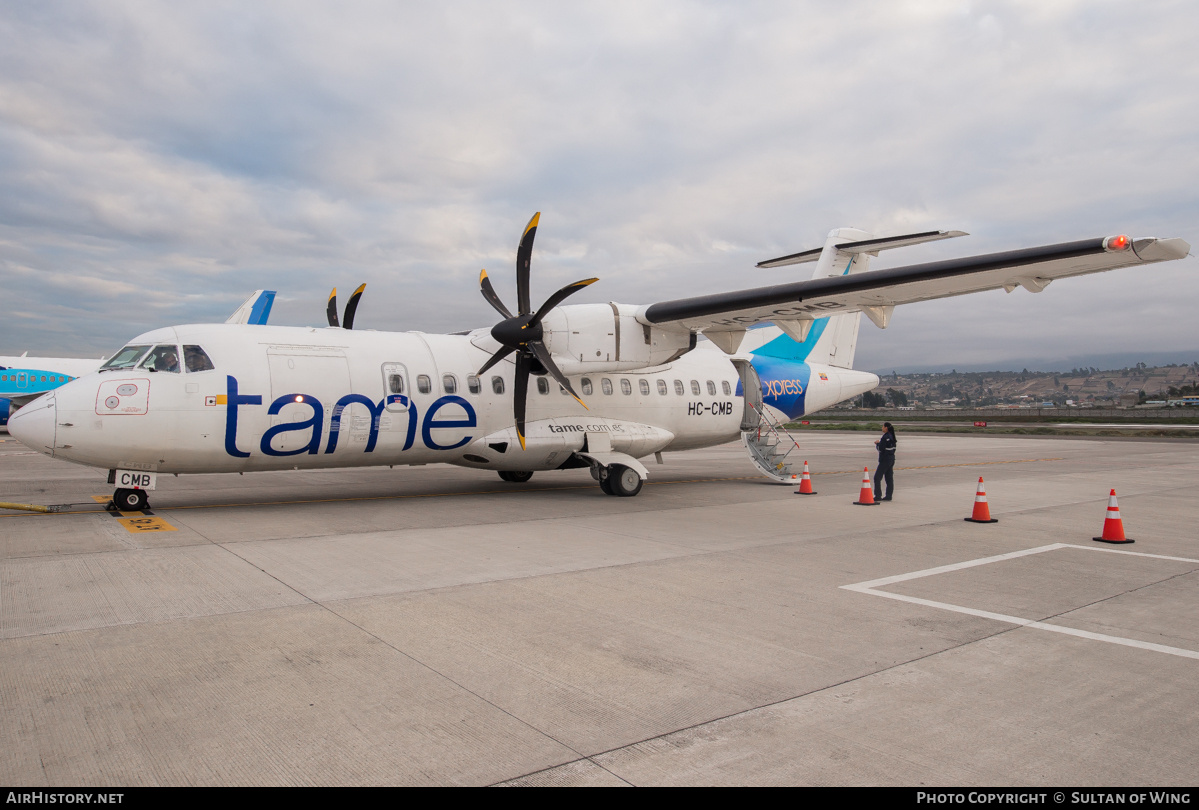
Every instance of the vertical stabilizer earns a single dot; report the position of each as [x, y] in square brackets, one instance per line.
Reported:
[829, 341]
[832, 341]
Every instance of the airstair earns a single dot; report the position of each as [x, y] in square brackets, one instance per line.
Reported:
[771, 448]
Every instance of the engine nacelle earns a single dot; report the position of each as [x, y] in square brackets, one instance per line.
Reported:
[593, 338]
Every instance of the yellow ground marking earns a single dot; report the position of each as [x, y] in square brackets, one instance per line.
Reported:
[516, 491]
[145, 523]
[101, 498]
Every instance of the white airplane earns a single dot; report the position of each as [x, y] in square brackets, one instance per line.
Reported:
[611, 383]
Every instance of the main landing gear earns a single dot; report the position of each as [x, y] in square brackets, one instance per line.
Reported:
[130, 500]
[617, 479]
[515, 477]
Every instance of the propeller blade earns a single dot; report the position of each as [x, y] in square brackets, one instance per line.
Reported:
[331, 310]
[352, 307]
[543, 355]
[495, 358]
[523, 255]
[520, 394]
[490, 294]
[560, 296]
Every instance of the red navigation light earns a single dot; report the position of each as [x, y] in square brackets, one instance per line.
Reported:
[1117, 242]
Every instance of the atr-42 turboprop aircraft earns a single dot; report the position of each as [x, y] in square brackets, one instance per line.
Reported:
[610, 383]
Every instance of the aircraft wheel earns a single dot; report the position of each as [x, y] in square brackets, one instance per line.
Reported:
[623, 481]
[605, 484]
[516, 477]
[130, 500]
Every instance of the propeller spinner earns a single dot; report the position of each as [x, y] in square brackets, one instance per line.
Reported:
[521, 333]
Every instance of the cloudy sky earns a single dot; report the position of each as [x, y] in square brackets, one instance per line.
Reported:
[160, 161]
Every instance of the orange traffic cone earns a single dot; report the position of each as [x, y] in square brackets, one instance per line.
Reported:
[805, 483]
[982, 512]
[1113, 526]
[866, 497]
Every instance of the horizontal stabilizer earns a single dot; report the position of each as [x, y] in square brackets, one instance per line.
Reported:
[871, 246]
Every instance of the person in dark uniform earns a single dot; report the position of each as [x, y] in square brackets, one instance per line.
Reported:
[886, 463]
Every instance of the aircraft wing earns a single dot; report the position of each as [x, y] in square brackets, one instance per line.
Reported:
[877, 292]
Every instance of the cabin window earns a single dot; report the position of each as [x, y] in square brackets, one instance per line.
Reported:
[162, 358]
[662, 387]
[196, 359]
[395, 383]
[543, 385]
[626, 387]
[497, 385]
[472, 384]
[678, 388]
[43, 378]
[587, 386]
[695, 387]
[424, 384]
[126, 357]
[643, 384]
[562, 390]
[711, 388]
[728, 389]
[606, 385]
[449, 383]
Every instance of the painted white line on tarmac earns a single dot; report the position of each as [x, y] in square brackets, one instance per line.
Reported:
[870, 588]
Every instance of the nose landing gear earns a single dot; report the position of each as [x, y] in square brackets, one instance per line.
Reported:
[130, 500]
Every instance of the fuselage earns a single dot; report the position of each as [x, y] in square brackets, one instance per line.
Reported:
[269, 397]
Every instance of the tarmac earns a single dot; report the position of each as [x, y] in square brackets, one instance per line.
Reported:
[432, 626]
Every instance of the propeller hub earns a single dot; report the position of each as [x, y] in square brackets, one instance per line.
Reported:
[516, 332]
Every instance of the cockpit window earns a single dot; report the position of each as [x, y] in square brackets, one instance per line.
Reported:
[196, 359]
[125, 358]
[162, 358]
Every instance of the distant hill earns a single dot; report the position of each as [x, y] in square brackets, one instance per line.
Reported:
[1083, 385]
[1056, 365]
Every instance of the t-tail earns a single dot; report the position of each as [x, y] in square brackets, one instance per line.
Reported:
[805, 365]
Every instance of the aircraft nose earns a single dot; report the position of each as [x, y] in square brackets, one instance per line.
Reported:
[34, 425]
